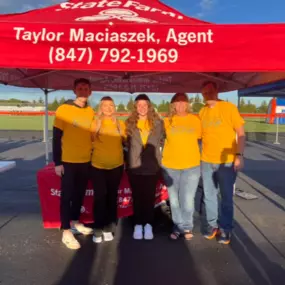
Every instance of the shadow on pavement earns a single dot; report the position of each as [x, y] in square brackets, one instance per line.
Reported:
[257, 265]
[122, 262]
[12, 144]
[278, 205]
[80, 269]
[160, 261]
[263, 160]
[127, 261]
[261, 170]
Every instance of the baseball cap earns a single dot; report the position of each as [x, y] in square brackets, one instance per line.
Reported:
[142, 97]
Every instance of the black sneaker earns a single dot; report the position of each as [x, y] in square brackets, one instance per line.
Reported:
[212, 232]
[223, 237]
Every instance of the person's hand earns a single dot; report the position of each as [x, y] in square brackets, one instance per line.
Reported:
[238, 163]
[59, 170]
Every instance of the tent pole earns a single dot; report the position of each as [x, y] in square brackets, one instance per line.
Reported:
[238, 102]
[46, 135]
[277, 130]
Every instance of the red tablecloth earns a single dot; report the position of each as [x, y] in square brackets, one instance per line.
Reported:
[49, 192]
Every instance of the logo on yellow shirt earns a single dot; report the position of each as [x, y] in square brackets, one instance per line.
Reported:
[182, 130]
[213, 123]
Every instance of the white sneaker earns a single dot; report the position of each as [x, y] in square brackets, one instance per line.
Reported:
[138, 232]
[108, 236]
[69, 240]
[148, 234]
[78, 228]
[97, 239]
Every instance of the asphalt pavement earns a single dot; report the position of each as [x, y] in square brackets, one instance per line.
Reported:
[31, 255]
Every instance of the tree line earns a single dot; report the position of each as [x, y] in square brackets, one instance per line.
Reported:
[248, 107]
[197, 104]
[162, 107]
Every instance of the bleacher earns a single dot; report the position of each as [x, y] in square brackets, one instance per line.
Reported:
[22, 108]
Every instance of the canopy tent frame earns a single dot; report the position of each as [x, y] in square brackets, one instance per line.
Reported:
[269, 90]
[126, 75]
[215, 76]
[47, 92]
[236, 50]
[273, 89]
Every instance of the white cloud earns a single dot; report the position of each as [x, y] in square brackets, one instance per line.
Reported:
[206, 7]
[27, 7]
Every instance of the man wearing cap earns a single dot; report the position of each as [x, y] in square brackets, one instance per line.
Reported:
[223, 141]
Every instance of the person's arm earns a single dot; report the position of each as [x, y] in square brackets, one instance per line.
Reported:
[238, 124]
[123, 131]
[240, 140]
[56, 146]
[92, 130]
[58, 128]
[239, 160]
[199, 116]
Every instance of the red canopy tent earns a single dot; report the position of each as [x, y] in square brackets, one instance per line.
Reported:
[135, 46]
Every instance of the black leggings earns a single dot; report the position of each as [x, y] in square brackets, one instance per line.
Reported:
[143, 191]
[106, 183]
[73, 186]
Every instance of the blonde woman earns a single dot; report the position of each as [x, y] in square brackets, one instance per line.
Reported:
[144, 136]
[107, 168]
[181, 164]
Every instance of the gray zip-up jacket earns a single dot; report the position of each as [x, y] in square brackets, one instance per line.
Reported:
[145, 160]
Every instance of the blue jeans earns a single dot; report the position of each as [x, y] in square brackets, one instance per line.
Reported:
[219, 178]
[182, 186]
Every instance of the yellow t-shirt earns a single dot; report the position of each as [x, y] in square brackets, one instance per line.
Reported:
[181, 148]
[144, 129]
[75, 122]
[219, 125]
[107, 145]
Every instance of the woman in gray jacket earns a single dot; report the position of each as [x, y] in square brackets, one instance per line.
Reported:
[145, 133]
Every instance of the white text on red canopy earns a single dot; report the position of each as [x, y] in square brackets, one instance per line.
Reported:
[108, 36]
[115, 4]
[93, 47]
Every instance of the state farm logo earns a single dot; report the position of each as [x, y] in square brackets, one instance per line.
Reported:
[57, 193]
[119, 14]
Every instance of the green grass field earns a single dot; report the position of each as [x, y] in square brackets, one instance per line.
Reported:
[36, 123]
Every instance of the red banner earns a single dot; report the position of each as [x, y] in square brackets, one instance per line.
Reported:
[143, 35]
[149, 47]
[135, 46]
[49, 192]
